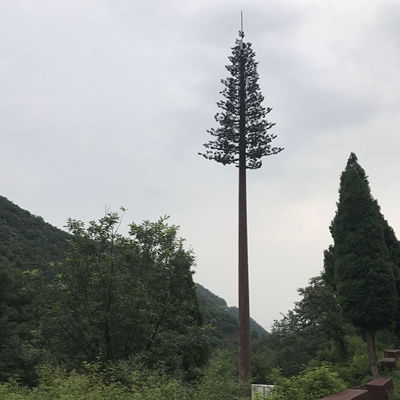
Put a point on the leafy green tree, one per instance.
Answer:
(363, 269)
(242, 139)
(319, 311)
(264, 357)
(118, 297)
(313, 326)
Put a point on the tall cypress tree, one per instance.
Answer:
(363, 270)
(242, 139)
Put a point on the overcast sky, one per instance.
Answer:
(108, 102)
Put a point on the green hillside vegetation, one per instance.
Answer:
(255, 327)
(222, 319)
(29, 243)
(26, 240)
(129, 382)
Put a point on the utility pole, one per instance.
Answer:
(243, 267)
(242, 139)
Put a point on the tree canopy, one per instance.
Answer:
(29, 243)
(364, 273)
(363, 270)
(116, 297)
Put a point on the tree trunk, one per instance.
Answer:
(372, 353)
(244, 307)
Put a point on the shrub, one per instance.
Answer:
(310, 384)
(130, 381)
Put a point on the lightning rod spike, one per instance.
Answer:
(241, 34)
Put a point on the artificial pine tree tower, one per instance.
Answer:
(363, 271)
(242, 139)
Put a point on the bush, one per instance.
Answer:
(395, 394)
(310, 384)
(395, 375)
(130, 381)
(356, 369)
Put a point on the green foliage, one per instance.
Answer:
(395, 393)
(328, 273)
(310, 384)
(217, 382)
(351, 371)
(263, 360)
(312, 334)
(314, 325)
(355, 369)
(363, 269)
(115, 297)
(393, 246)
(293, 346)
(255, 327)
(241, 109)
(26, 241)
(222, 319)
(17, 319)
(364, 273)
(319, 312)
(223, 332)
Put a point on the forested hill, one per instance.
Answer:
(216, 311)
(28, 242)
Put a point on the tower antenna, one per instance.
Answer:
(241, 31)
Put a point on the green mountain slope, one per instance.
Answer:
(27, 241)
(222, 318)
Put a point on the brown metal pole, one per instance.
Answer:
(244, 306)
